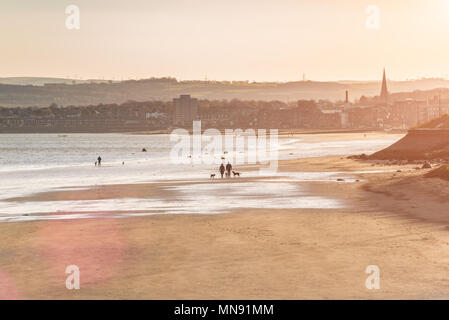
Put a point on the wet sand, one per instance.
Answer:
(395, 220)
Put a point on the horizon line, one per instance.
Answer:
(113, 79)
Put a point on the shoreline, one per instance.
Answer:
(294, 131)
(249, 253)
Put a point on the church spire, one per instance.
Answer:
(384, 90)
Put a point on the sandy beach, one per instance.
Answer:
(196, 151)
(395, 220)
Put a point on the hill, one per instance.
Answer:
(428, 141)
(39, 81)
(438, 123)
(46, 91)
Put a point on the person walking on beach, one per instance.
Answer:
(99, 161)
(228, 170)
(222, 170)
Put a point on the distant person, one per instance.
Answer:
(99, 161)
(222, 170)
(228, 170)
(96, 163)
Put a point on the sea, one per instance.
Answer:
(31, 164)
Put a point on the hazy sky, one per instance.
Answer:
(225, 40)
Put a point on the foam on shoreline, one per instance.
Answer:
(155, 167)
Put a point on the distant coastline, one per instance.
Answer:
(281, 132)
(68, 92)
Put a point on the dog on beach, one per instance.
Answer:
(212, 176)
(236, 174)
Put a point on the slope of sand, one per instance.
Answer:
(395, 220)
(418, 144)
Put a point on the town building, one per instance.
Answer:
(384, 91)
(185, 110)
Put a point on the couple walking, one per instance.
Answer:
(228, 170)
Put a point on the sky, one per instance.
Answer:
(255, 40)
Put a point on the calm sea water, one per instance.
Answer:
(34, 163)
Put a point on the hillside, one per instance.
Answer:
(37, 81)
(438, 123)
(428, 141)
(46, 91)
